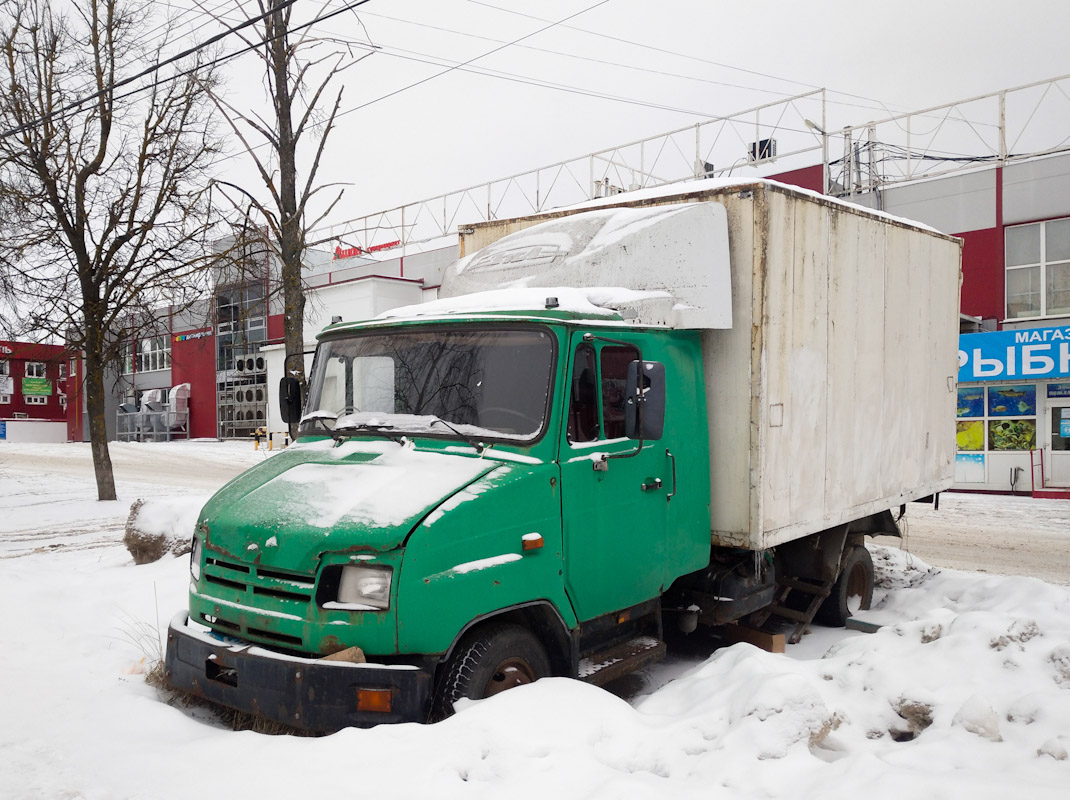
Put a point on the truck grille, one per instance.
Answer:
(267, 592)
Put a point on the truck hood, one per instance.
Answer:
(319, 497)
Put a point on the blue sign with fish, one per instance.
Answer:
(1031, 354)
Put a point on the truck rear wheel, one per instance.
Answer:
(487, 661)
(852, 592)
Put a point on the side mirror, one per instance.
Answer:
(644, 404)
(290, 400)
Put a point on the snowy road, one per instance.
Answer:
(1001, 535)
(44, 487)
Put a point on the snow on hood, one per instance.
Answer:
(362, 494)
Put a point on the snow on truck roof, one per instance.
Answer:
(662, 265)
(665, 265)
(692, 188)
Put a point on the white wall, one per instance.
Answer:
(35, 430)
(953, 203)
(357, 300)
(1035, 190)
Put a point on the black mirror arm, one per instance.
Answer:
(602, 465)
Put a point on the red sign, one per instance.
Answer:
(350, 252)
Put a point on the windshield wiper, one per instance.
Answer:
(479, 446)
(366, 427)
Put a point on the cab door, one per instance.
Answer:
(614, 500)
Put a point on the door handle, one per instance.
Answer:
(672, 460)
(651, 484)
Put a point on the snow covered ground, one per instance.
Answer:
(964, 693)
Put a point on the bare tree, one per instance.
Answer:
(102, 180)
(299, 71)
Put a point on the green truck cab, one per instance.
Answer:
(502, 486)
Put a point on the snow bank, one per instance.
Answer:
(159, 525)
(963, 694)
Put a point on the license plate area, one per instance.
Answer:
(220, 673)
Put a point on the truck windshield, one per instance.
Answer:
(472, 383)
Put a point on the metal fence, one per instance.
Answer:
(997, 128)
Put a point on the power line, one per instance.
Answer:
(474, 59)
(150, 70)
(684, 55)
(77, 104)
(575, 56)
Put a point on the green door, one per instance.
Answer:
(615, 511)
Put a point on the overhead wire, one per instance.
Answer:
(474, 58)
(878, 104)
(75, 105)
(155, 68)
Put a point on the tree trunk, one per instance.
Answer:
(95, 410)
(291, 234)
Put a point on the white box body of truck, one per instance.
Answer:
(832, 395)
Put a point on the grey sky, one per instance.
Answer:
(669, 64)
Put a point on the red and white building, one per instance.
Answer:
(33, 392)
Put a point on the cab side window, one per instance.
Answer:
(614, 362)
(596, 407)
(583, 406)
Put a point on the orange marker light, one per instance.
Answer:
(374, 700)
(532, 541)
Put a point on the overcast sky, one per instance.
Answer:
(627, 69)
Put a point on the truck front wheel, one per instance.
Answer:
(852, 592)
(489, 660)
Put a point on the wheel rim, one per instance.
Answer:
(508, 674)
(857, 584)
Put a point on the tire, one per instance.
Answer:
(488, 660)
(852, 592)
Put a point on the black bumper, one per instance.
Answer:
(306, 693)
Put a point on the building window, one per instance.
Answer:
(63, 370)
(154, 354)
(35, 369)
(1038, 269)
(35, 400)
(5, 399)
(997, 418)
(5, 367)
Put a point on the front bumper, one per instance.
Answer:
(306, 693)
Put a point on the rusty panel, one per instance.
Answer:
(727, 357)
(796, 363)
(852, 472)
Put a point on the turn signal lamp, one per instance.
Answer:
(378, 700)
(532, 541)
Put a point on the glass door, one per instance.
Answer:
(1059, 426)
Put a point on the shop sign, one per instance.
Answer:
(1064, 423)
(1037, 353)
(185, 337)
(36, 387)
(1056, 390)
(3, 430)
(349, 252)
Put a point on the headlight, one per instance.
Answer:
(195, 559)
(363, 588)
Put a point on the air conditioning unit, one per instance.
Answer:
(762, 150)
(250, 365)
